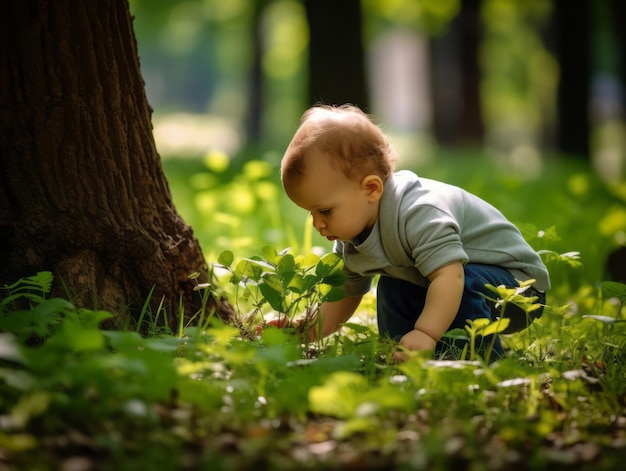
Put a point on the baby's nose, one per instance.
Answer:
(318, 223)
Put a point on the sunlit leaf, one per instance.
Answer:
(502, 291)
(275, 336)
(603, 319)
(226, 258)
(224, 334)
(297, 284)
(496, 327)
(571, 259)
(309, 261)
(286, 269)
(329, 264)
(330, 293)
(247, 268)
(257, 261)
(269, 254)
(460, 334)
(479, 323)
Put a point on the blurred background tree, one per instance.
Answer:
(522, 82)
(519, 78)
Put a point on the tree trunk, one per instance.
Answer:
(456, 79)
(336, 57)
(572, 24)
(83, 192)
(616, 262)
(618, 15)
(253, 121)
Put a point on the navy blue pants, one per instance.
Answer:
(400, 302)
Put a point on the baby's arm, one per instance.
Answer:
(442, 304)
(335, 313)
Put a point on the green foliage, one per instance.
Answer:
(61, 375)
(215, 396)
(284, 284)
(565, 210)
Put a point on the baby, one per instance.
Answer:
(434, 245)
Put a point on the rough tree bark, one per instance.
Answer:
(83, 193)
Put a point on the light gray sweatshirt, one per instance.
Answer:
(423, 225)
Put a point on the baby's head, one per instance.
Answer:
(346, 135)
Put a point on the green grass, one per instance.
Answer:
(242, 206)
(209, 397)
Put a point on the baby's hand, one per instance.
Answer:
(281, 322)
(414, 340)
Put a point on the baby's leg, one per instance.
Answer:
(474, 305)
(398, 305)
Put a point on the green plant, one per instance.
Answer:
(283, 283)
(209, 398)
(483, 327)
(32, 288)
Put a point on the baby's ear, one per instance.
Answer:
(374, 186)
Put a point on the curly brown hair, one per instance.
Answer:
(356, 145)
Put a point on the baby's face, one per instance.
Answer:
(340, 207)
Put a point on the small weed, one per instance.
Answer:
(283, 285)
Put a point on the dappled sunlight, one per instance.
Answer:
(613, 224)
(415, 150)
(217, 161)
(187, 134)
(526, 162)
(243, 201)
(609, 156)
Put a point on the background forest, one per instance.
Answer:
(450, 81)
